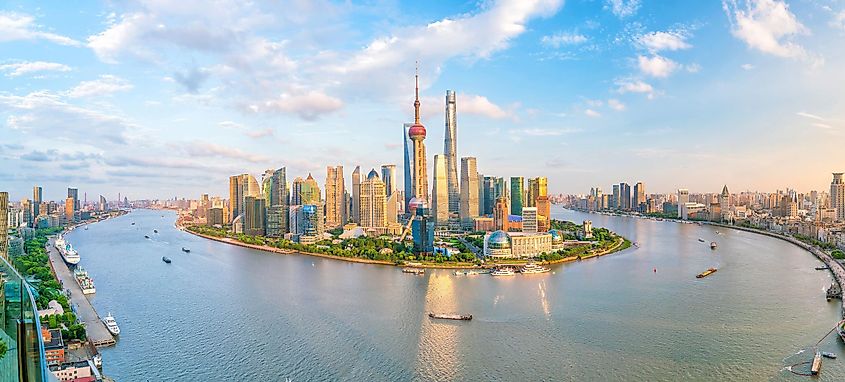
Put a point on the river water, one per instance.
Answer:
(223, 312)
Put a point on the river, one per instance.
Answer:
(223, 312)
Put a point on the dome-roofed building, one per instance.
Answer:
(498, 245)
(507, 245)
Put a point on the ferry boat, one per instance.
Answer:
(85, 282)
(706, 273)
(531, 268)
(416, 271)
(111, 325)
(444, 316)
(504, 271)
(165, 259)
(69, 255)
(712, 245)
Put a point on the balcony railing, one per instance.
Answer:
(20, 330)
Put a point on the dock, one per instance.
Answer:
(94, 327)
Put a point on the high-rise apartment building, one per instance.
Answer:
(276, 199)
(517, 194)
(335, 197)
(69, 203)
(4, 225)
(837, 196)
(388, 176)
(469, 191)
(373, 203)
(254, 216)
(356, 195)
(440, 193)
(450, 151)
(417, 134)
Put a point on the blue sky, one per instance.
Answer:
(160, 98)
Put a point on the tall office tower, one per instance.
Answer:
(639, 196)
(388, 176)
(501, 213)
(4, 224)
(489, 195)
(529, 219)
(501, 188)
(450, 151)
(26, 210)
(104, 205)
(296, 192)
(544, 213)
(254, 215)
(69, 203)
(74, 193)
(373, 203)
(394, 205)
(417, 134)
(536, 187)
(614, 201)
(440, 193)
(725, 198)
(335, 197)
(356, 195)
(408, 163)
(36, 201)
(624, 196)
(683, 198)
(837, 196)
(234, 197)
(310, 192)
(480, 183)
(277, 203)
(469, 191)
(422, 229)
(517, 194)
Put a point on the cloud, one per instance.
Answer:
(17, 26)
(105, 85)
(767, 26)
(635, 86)
(563, 38)
(747, 66)
(249, 132)
(592, 113)
(192, 78)
(657, 66)
(615, 104)
(622, 8)
(811, 116)
(659, 41)
(206, 149)
(53, 155)
(822, 125)
(21, 68)
(838, 21)
(480, 105)
(268, 132)
(309, 105)
(538, 132)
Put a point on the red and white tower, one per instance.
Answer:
(417, 134)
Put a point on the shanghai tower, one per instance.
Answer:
(450, 152)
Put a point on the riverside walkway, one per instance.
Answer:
(94, 327)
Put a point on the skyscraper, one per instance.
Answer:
(450, 151)
(277, 203)
(614, 201)
(373, 203)
(103, 204)
(624, 196)
(529, 219)
(296, 192)
(234, 196)
(544, 213)
(335, 197)
(408, 165)
(489, 195)
(310, 192)
(469, 191)
(683, 198)
(501, 213)
(254, 215)
(356, 195)
(440, 193)
(536, 187)
(4, 225)
(417, 134)
(639, 196)
(69, 203)
(388, 176)
(517, 194)
(36, 201)
(74, 193)
(837, 196)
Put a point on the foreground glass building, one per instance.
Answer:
(20, 332)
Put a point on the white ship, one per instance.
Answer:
(85, 282)
(533, 268)
(66, 250)
(505, 271)
(111, 325)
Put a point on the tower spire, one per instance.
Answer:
(417, 94)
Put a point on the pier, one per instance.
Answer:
(94, 327)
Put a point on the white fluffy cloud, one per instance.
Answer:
(622, 8)
(657, 66)
(17, 26)
(615, 104)
(480, 105)
(767, 26)
(22, 68)
(592, 113)
(660, 40)
(563, 38)
(635, 86)
(105, 85)
(308, 105)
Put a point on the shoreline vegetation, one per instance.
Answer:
(384, 251)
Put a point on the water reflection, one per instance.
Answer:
(438, 356)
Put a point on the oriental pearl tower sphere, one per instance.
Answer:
(417, 134)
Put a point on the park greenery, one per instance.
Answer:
(3, 348)
(837, 254)
(34, 265)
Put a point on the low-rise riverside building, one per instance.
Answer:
(517, 245)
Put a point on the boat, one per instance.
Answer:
(706, 273)
(700, 239)
(98, 361)
(85, 282)
(532, 268)
(817, 364)
(445, 316)
(133, 223)
(186, 250)
(146, 236)
(504, 271)
(69, 255)
(828, 354)
(111, 325)
(155, 231)
(840, 329)
(712, 245)
(165, 259)
(822, 268)
(86, 227)
(416, 271)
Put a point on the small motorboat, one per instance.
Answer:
(111, 325)
(146, 236)
(86, 227)
(700, 239)
(828, 354)
(155, 231)
(186, 250)
(444, 316)
(165, 259)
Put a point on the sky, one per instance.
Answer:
(162, 99)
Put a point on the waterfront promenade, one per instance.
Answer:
(94, 327)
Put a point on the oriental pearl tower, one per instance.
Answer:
(417, 134)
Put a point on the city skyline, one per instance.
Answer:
(609, 90)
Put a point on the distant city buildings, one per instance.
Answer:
(335, 197)
(469, 192)
(373, 204)
(837, 196)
